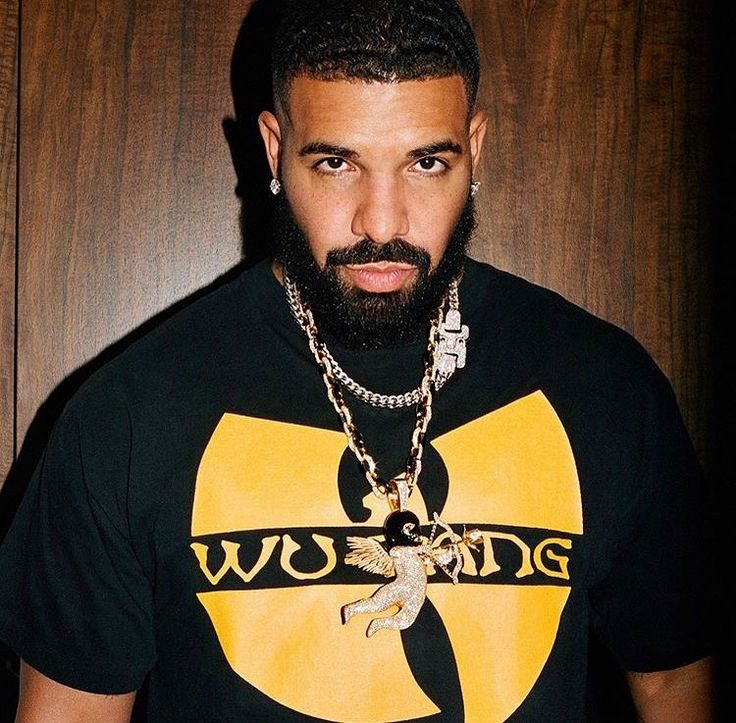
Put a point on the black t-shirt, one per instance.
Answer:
(188, 520)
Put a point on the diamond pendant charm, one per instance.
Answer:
(451, 337)
(407, 592)
(410, 556)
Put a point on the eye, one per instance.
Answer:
(431, 166)
(331, 165)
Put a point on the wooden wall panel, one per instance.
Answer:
(593, 173)
(8, 150)
(592, 176)
(126, 183)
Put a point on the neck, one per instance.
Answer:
(277, 268)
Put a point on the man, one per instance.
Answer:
(372, 480)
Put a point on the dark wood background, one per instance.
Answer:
(8, 159)
(601, 178)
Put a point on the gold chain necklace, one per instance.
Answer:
(449, 353)
(406, 481)
(407, 555)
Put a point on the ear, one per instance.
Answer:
(270, 130)
(478, 127)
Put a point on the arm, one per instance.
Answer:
(43, 700)
(682, 694)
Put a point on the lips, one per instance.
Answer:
(381, 276)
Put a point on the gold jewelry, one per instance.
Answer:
(449, 355)
(380, 487)
(410, 557)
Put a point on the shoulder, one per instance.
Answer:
(549, 332)
(171, 352)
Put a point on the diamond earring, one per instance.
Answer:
(275, 186)
(474, 186)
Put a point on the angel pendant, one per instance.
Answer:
(410, 557)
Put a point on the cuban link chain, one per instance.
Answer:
(408, 556)
(452, 335)
(396, 493)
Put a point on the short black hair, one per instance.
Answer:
(373, 40)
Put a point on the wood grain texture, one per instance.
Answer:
(594, 168)
(8, 157)
(592, 173)
(126, 185)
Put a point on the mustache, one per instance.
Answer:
(367, 251)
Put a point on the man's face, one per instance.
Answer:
(376, 176)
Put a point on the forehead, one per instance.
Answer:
(357, 113)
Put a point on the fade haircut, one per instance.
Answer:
(384, 41)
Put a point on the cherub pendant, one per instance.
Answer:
(410, 557)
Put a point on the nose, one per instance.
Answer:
(381, 214)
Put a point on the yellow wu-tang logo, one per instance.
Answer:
(511, 467)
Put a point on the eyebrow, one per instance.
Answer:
(446, 146)
(327, 149)
(330, 149)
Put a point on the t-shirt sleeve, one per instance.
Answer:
(655, 607)
(75, 602)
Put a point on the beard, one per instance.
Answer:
(359, 319)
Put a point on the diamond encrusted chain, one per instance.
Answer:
(399, 488)
(405, 553)
(452, 337)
